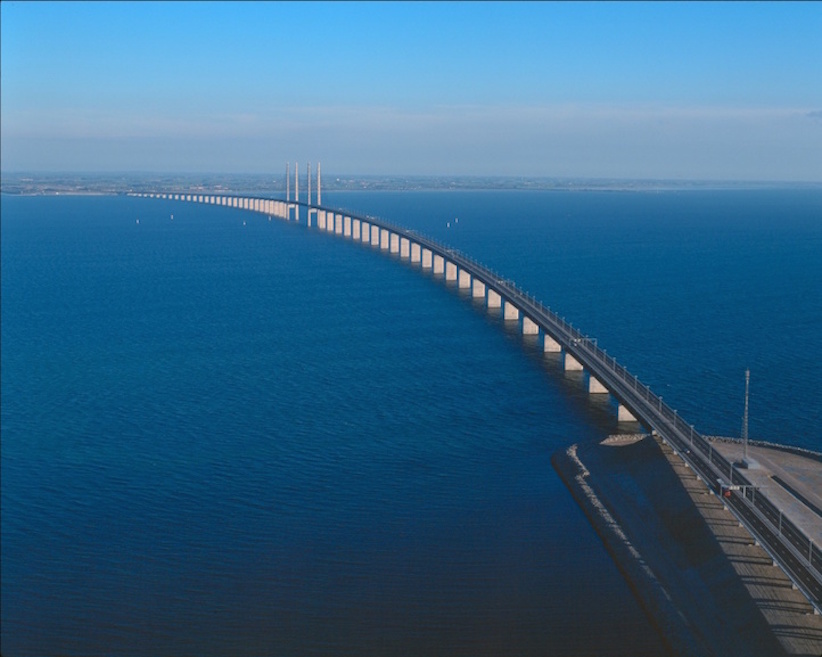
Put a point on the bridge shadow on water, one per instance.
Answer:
(727, 598)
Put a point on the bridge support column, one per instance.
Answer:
(416, 253)
(347, 226)
(366, 232)
(510, 311)
(464, 280)
(427, 258)
(529, 326)
(595, 386)
(450, 271)
(338, 224)
(321, 219)
(549, 345)
(375, 235)
(494, 299)
(439, 264)
(395, 243)
(356, 230)
(624, 415)
(405, 247)
(385, 238)
(572, 364)
(477, 289)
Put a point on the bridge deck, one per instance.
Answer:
(792, 482)
(796, 551)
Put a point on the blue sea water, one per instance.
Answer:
(223, 435)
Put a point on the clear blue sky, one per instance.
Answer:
(620, 90)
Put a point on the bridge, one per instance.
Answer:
(791, 548)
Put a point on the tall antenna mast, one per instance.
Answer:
(745, 416)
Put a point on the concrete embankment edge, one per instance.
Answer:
(653, 597)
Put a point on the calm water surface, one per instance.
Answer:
(228, 436)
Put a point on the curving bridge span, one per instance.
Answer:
(788, 545)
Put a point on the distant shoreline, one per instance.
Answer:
(99, 184)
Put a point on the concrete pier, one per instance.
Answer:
(356, 230)
(494, 299)
(572, 364)
(395, 243)
(427, 259)
(416, 253)
(464, 281)
(375, 235)
(347, 226)
(439, 264)
(624, 415)
(549, 345)
(477, 289)
(405, 248)
(450, 271)
(510, 311)
(385, 238)
(529, 326)
(595, 386)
